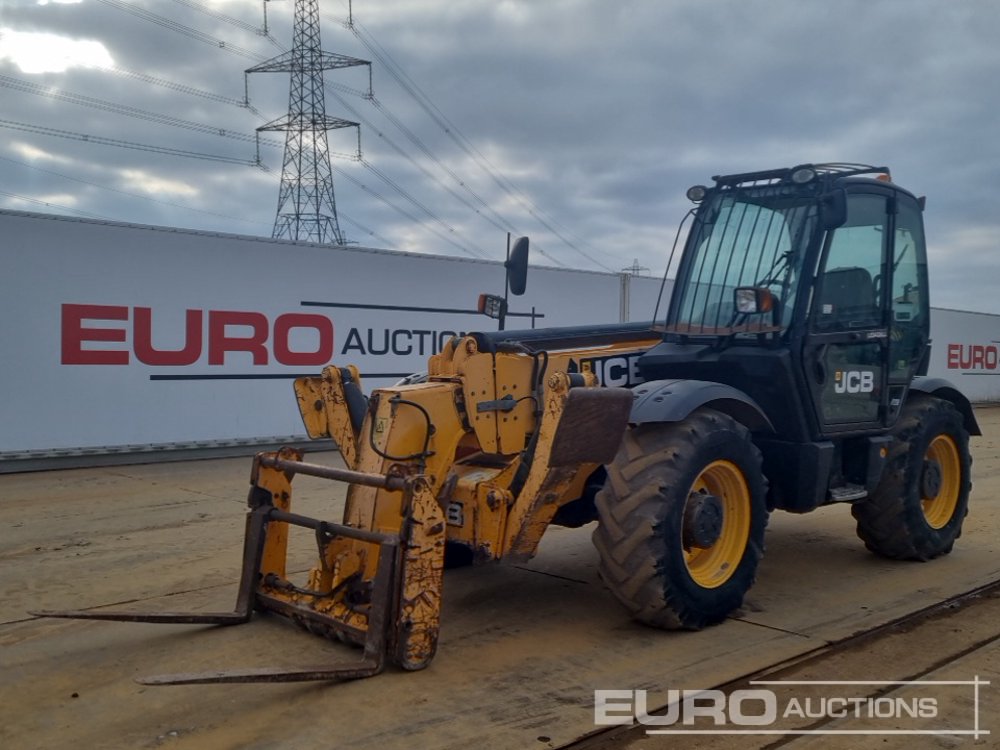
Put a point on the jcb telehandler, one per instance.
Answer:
(789, 372)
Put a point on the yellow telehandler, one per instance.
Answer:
(788, 373)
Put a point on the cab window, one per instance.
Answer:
(849, 286)
(909, 304)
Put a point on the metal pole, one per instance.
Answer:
(506, 285)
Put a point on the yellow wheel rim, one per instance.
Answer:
(712, 566)
(939, 507)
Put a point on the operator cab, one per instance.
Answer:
(807, 289)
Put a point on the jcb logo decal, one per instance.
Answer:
(854, 381)
(621, 370)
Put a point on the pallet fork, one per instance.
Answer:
(381, 591)
(378, 579)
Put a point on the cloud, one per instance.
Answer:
(144, 182)
(34, 153)
(40, 52)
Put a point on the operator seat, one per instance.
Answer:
(847, 299)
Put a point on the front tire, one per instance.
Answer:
(917, 510)
(682, 518)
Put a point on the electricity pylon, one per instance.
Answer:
(307, 209)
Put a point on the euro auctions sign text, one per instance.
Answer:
(123, 335)
(914, 707)
(973, 357)
(212, 332)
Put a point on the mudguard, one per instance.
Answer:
(941, 388)
(674, 400)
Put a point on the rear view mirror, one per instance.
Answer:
(517, 267)
(833, 209)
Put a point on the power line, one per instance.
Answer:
(635, 269)
(395, 186)
(180, 28)
(409, 157)
(48, 204)
(364, 228)
(122, 109)
(130, 194)
(239, 23)
(307, 208)
(130, 111)
(306, 109)
(496, 220)
(199, 127)
(71, 97)
(415, 219)
(146, 78)
(450, 129)
(397, 74)
(126, 144)
(499, 222)
(282, 63)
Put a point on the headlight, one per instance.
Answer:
(749, 300)
(491, 305)
(746, 300)
(803, 175)
(697, 193)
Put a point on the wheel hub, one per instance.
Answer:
(702, 520)
(931, 479)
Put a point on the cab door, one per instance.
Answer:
(846, 345)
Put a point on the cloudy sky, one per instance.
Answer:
(578, 122)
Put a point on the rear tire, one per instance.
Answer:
(917, 510)
(672, 565)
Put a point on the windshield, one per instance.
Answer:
(752, 237)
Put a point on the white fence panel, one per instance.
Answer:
(127, 335)
(966, 351)
(122, 335)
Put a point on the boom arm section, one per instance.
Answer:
(333, 406)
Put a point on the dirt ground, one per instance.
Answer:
(523, 648)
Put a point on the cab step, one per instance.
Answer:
(847, 493)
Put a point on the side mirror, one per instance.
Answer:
(833, 209)
(517, 267)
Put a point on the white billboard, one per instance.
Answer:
(966, 351)
(124, 335)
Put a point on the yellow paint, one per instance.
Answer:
(939, 509)
(323, 406)
(712, 566)
(460, 438)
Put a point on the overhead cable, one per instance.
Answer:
(453, 132)
(131, 194)
(167, 23)
(126, 144)
(49, 204)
